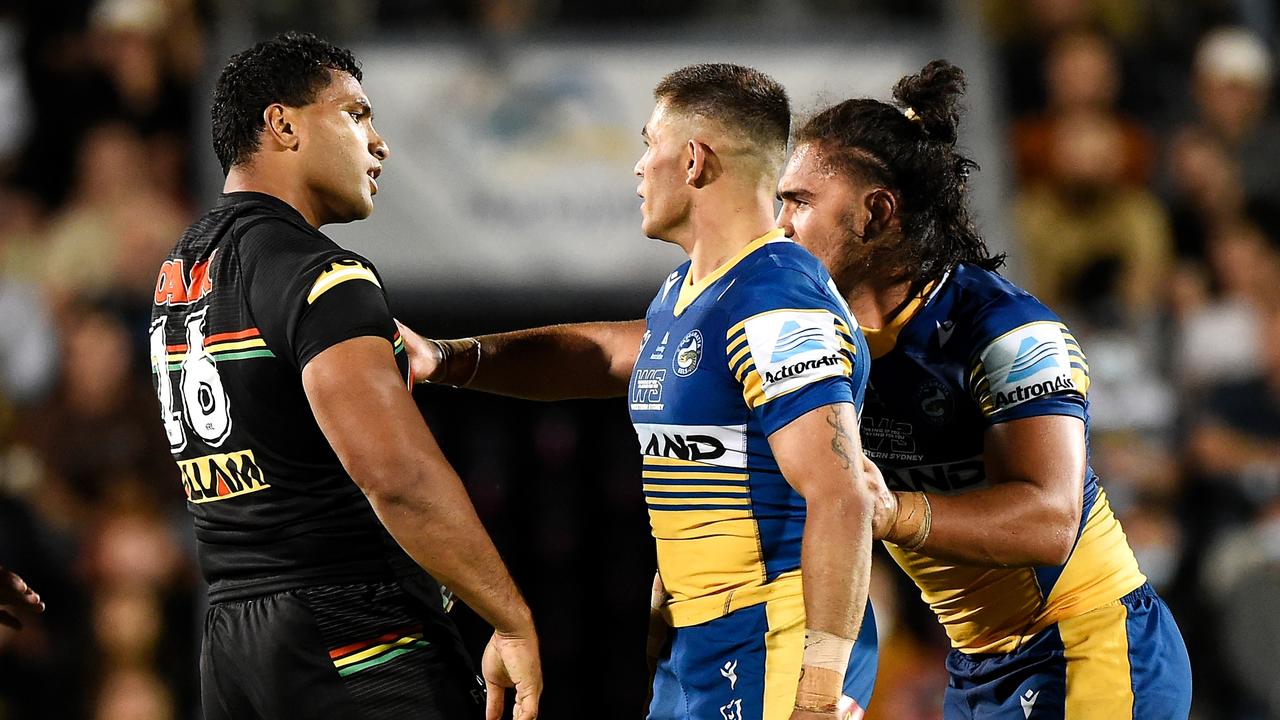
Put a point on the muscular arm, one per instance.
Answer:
(358, 397)
(557, 362)
(1031, 513)
(820, 456)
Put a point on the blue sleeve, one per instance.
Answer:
(1024, 362)
(789, 344)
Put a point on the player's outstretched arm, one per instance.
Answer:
(1029, 516)
(557, 362)
(820, 455)
(357, 395)
(16, 594)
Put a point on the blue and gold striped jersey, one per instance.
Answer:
(725, 362)
(976, 351)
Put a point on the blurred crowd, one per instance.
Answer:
(1144, 141)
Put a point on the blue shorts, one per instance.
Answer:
(745, 665)
(1123, 661)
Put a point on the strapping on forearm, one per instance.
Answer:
(826, 657)
(913, 522)
(459, 360)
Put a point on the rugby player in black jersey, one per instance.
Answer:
(318, 492)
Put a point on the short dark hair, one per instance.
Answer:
(290, 69)
(742, 98)
(911, 149)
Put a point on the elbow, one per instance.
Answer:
(1058, 532)
(380, 482)
(851, 500)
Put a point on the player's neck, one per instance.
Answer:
(720, 227)
(246, 178)
(876, 302)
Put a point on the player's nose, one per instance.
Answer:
(784, 222)
(378, 147)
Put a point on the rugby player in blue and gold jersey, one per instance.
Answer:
(744, 383)
(977, 413)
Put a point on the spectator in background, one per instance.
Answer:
(1227, 298)
(1236, 447)
(1205, 191)
(97, 432)
(111, 235)
(1231, 86)
(1026, 31)
(1236, 442)
(1083, 223)
(1082, 74)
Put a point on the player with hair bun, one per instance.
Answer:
(977, 414)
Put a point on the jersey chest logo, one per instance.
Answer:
(688, 354)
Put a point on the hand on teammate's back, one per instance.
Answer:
(511, 661)
(14, 592)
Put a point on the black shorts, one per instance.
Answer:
(366, 651)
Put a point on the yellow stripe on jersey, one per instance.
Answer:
(725, 490)
(784, 653)
(881, 340)
(736, 345)
(753, 389)
(681, 475)
(745, 502)
(239, 345)
(1099, 674)
(675, 462)
(337, 274)
(737, 357)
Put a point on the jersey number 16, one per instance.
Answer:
(204, 401)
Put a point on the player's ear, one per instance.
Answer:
(882, 212)
(703, 164)
(280, 126)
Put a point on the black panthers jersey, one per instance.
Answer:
(248, 296)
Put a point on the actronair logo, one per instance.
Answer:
(800, 368)
(1022, 393)
(1026, 363)
(795, 339)
(1034, 355)
(793, 348)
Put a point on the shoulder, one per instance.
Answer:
(780, 273)
(279, 246)
(1017, 349)
(986, 307)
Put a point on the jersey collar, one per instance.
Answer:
(689, 290)
(881, 340)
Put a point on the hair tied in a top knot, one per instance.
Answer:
(913, 116)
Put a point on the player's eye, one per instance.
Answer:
(356, 115)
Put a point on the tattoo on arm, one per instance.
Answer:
(840, 442)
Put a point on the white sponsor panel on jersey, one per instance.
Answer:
(1027, 363)
(793, 348)
(720, 445)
